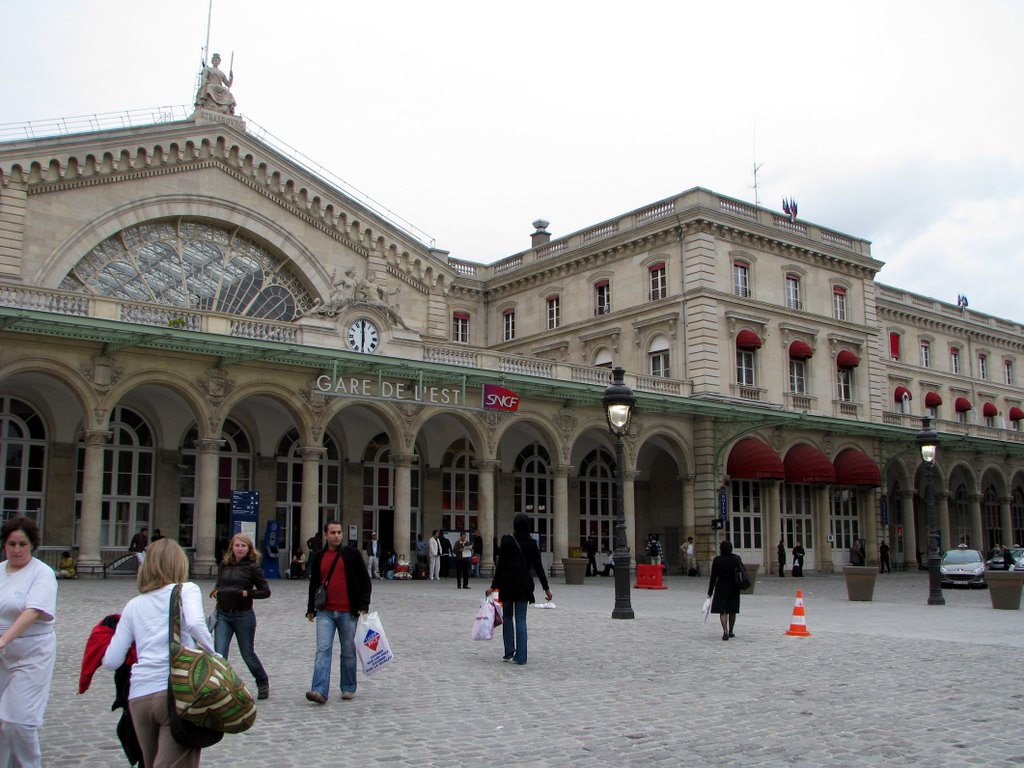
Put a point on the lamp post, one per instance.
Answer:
(928, 442)
(618, 402)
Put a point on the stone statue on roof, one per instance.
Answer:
(214, 91)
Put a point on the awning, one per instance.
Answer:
(932, 400)
(747, 340)
(846, 359)
(806, 464)
(989, 409)
(962, 405)
(800, 350)
(1016, 414)
(902, 392)
(751, 459)
(855, 467)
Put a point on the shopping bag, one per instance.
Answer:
(372, 646)
(706, 609)
(483, 624)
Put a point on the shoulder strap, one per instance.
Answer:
(330, 571)
(174, 623)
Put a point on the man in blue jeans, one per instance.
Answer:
(342, 572)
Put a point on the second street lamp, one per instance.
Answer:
(928, 442)
(618, 402)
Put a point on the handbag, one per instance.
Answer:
(205, 696)
(320, 596)
(372, 646)
(742, 578)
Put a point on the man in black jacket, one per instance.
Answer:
(346, 595)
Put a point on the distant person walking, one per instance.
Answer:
(798, 559)
(781, 550)
(883, 558)
(517, 554)
(435, 555)
(723, 590)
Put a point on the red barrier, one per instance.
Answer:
(649, 577)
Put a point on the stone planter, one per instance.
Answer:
(860, 582)
(575, 569)
(752, 573)
(1004, 589)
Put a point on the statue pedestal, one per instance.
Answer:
(203, 115)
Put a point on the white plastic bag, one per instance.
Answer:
(706, 609)
(483, 624)
(372, 646)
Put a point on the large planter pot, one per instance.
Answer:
(860, 582)
(575, 569)
(752, 573)
(1004, 589)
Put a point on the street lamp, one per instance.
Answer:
(928, 442)
(618, 402)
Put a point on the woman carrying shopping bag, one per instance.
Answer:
(517, 554)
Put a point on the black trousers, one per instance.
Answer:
(462, 572)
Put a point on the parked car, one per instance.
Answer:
(963, 567)
(995, 563)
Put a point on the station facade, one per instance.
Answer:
(188, 311)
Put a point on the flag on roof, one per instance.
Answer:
(961, 301)
(789, 206)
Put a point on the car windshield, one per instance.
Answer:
(961, 557)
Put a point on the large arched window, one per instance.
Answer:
(1017, 516)
(459, 488)
(289, 487)
(532, 491)
(960, 519)
(991, 529)
(193, 265)
(127, 492)
(23, 458)
(379, 493)
(597, 499)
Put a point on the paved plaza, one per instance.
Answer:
(890, 682)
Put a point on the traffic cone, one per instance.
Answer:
(798, 626)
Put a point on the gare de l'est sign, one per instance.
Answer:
(492, 396)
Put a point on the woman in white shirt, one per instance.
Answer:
(144, 622)
(28, 645)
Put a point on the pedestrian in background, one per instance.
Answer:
(28, 644)
(798, 559)
(883, 558)
(591, 549)
(144, 622)
(446, 556)
(723, 590)
(435, 555)
(240, 580)
(373, 559)
(463, 553)
(781, 550)
(478, 551)
(857, 553)
(517, 554)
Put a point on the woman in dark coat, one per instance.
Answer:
(517, 554)
(722, 588)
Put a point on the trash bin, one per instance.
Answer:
(1004, 589)
(860, 582)
(575, 569)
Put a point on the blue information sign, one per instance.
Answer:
(723, 507)
(883, 508)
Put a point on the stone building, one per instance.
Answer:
(187, 310)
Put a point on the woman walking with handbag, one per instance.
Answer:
(239, 582)
(723, 588)
(517, 554)
(144, 623)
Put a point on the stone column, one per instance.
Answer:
(560, 479)
(773, 529)
(309, 514)
(867, 501)
(629, 510)
(486, 469)
(909, 531)
(977, 542)
(822, 523)
(92, 501)
(403, 503)
(1005, 523)
(942, 503)
(689, 509)
(207, 478)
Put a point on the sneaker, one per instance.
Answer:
(348, 696)
(507, 657)
(316, 696)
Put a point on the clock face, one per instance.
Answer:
(363, 336)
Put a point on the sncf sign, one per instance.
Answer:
(500, 399)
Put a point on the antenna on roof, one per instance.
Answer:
(209, 17)
(757, 199)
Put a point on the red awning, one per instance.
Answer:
(1016, 414)
(800, 350)
(963, 404)
(855, 467)
(806, 464)
(902, 392)
(846, 359)
(747, 340)
(932, 400)
(751, 459)
(989, 409)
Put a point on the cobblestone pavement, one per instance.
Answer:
(890, 682)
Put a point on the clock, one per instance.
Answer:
(363, 336)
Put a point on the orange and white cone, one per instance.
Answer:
(798, 626)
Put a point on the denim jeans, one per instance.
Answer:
(513, 630)
(327, 624)
(243, 626)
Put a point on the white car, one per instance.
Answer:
(963, 567)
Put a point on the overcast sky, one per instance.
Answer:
(897, 122)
